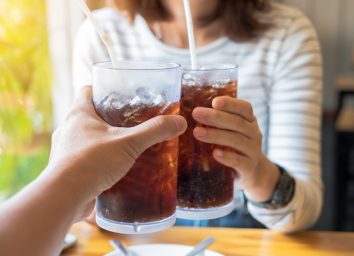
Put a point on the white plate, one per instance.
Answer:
(162, 250)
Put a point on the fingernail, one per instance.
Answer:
(218, 153)
(199, 113)
(179, 124)
(218, 103)
(200, 132)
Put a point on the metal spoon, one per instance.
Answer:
(118, 245)
(201, 246)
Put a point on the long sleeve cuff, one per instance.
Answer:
(301, 212)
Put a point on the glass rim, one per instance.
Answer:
(212, 67)
(164, 65)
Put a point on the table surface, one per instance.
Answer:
(229, 241)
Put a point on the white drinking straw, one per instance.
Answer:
(191, 40)
(104, 37)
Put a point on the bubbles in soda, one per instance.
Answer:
(148, 191)
(202, 181)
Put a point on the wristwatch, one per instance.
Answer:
(283, 192)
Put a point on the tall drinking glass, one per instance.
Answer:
(205, 187)
(144, 201)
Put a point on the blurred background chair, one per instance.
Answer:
(345, 152)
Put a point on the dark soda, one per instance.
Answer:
(202, 181)
(148, 192)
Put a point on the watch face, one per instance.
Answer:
(285, 190)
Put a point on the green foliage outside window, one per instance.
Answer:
(25, 102)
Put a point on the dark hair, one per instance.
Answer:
(238, 16)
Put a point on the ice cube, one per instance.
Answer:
(192, 79)
(159, 101)
(135, 101)
(146, 95)
(130, 113)
(221, 83)
(119, 104)
(164, 107)
(115, 100)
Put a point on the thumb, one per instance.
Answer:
(84, 98)
(158, 129)
(82, 103)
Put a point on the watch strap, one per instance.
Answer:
(283, 192)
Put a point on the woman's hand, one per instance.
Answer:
(94, 155)
(235, 126)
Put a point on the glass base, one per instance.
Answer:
(137, 227)
(204, 214)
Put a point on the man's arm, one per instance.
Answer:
(36, 220)
(88, 156)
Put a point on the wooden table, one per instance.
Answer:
(229, 241)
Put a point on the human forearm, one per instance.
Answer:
(38, 217)
(88, 156)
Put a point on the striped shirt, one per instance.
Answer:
(280, 74)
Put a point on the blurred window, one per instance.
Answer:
(25, 93)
